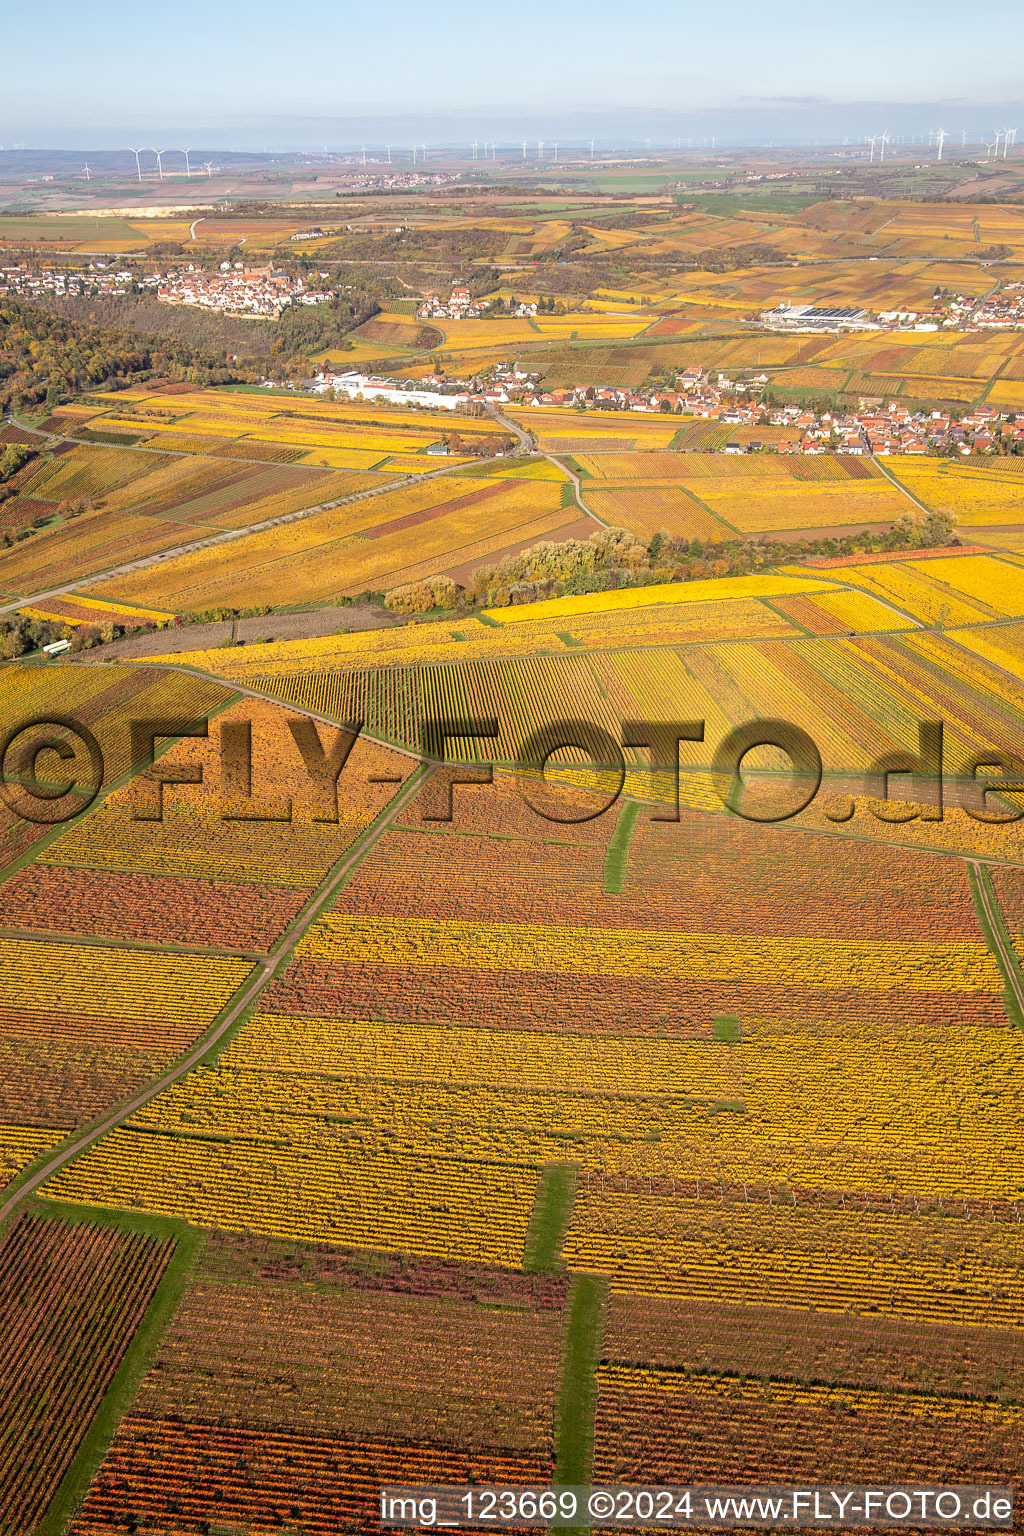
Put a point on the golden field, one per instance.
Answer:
(371, 544)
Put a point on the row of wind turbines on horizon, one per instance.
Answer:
(480, 149)
(1007, 137)
(204, 169)
(487, 149)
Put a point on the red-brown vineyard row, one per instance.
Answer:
(163, 1476)
(71, 1298)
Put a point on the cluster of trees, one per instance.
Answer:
(19, 636)
(178, 330)
(580, 278)
(219, 615)
(727, 259)
(635, 219)
(48, 358)
(304, 329)
(613, 558)
(422, 596)
(13, 458)
(484, 447)
(446, 247)
(932, 531)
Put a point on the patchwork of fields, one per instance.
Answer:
(601, 1117)
(747, 1116)
(698, 1064)
(712, 497)
(193, 467)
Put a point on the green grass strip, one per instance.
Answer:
(549, 1218)
(137, 1360)
(998, 938)
(577, 1404)
(616, 860)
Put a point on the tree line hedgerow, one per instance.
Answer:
(45, 358)
(613, 558)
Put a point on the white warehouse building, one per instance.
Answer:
(353, 384)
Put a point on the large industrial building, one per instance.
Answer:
(811, 317)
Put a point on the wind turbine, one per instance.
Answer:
(159, 161)
(873, 141)
(963, 138)
(1009, 136)
(414, 154)
(188, 168)
(591, 149)
(556, 149)
(474, 147)
(86, 172)
(137, 153)
(364, 154)
(540, 149)
(884, 142)
(389, 154)
(999, 134)
(940, 139)
(990, 145)
(423, 149)
(209, 169)
(524, 149)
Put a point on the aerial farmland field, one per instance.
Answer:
(511, 772)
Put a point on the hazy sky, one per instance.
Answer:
(257, 72)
